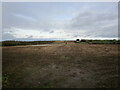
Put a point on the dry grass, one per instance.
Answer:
(66, 65)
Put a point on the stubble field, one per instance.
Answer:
(60, 66)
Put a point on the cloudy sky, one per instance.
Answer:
(59, 21)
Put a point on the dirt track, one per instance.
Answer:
(67, 65)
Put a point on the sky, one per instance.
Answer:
(59, 20)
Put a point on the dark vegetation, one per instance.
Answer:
(15, 43)
(100, 41)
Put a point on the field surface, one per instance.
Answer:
(60, 66)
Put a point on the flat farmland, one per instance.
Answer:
(68, 65)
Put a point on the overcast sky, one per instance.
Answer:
(62, 21)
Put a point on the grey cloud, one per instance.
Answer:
(94, 21)
(7, 36)
(104, 23)
(22, 15)
(29, 36)
(51, 32)
(25, 17)
(75, 36)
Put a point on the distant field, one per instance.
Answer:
(62, 65)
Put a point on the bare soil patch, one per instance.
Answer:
(61, 66)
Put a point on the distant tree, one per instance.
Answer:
(83, 40)
(77, 40)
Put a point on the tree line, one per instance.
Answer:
(15, 43)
